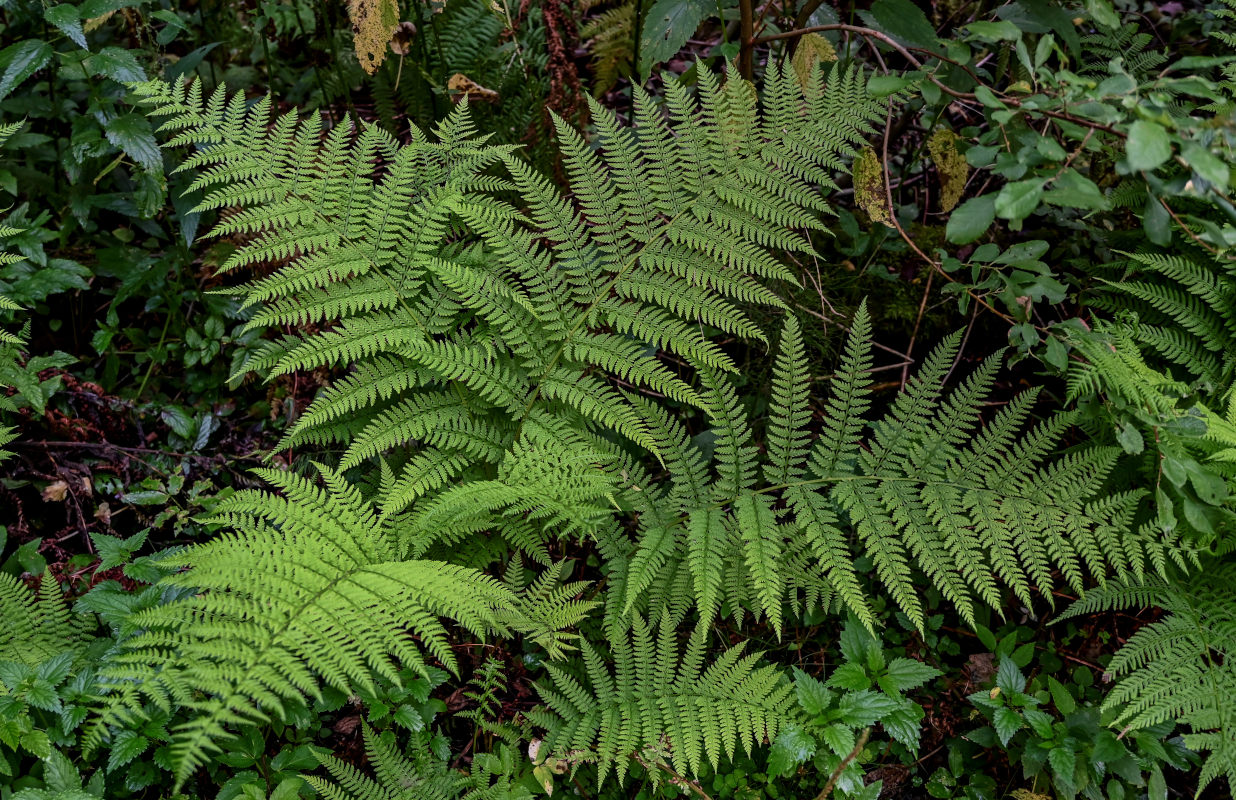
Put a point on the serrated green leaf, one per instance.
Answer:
(21, 60)
(133, 134)
(1007, 722)
(905, 21)
(793, 746)
(65, 17)
(667, 26)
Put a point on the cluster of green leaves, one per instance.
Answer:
(517, 371)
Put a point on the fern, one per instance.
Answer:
(658, 697)
(1126, 43)
(519, 315)
(611, 37)
(9, 342)
(39, 626)
(1186, 308)
(418, 777)
(1181, 668)
(310, 589)
(972, 510)
(509, 367)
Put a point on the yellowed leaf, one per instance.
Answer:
(56, 491)
(811, 50)
(401, 40)
(1026, 794)
(103, 513)
(94, 22)
(373, 24)
(461, 86)
(869, 190)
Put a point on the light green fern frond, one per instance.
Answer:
(36, 627)
(660, 696)
(974, 509)
(568, 291)
(308, 590)
(417, 776)
(611, 44)
(549, 607)
(1187, 311)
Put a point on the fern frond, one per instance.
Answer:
(308, 590)
(658, 695)
(39, 626)
(1181, 668)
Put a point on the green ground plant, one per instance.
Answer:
(478, 400)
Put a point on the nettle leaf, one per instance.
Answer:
(65, 17)
(667, 27)
(133, 134)
(116, 63)
(813, 696)
(860, 709)
(905, 674)
(20, 61)
(793, 746)
(850, 676)
(1007, 722)
(839, 739)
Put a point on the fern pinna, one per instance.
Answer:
(308, 590)
(417, 775)
(1186, 311)
(657, 698)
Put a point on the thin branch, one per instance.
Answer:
(845, 762)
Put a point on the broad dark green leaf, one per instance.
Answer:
(1006, 722)
(905, 21)
(667, 27)
(971, 219)
(132, 133)
(20, 61)
(117, 64)
(65, 17)
(1148, 145)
